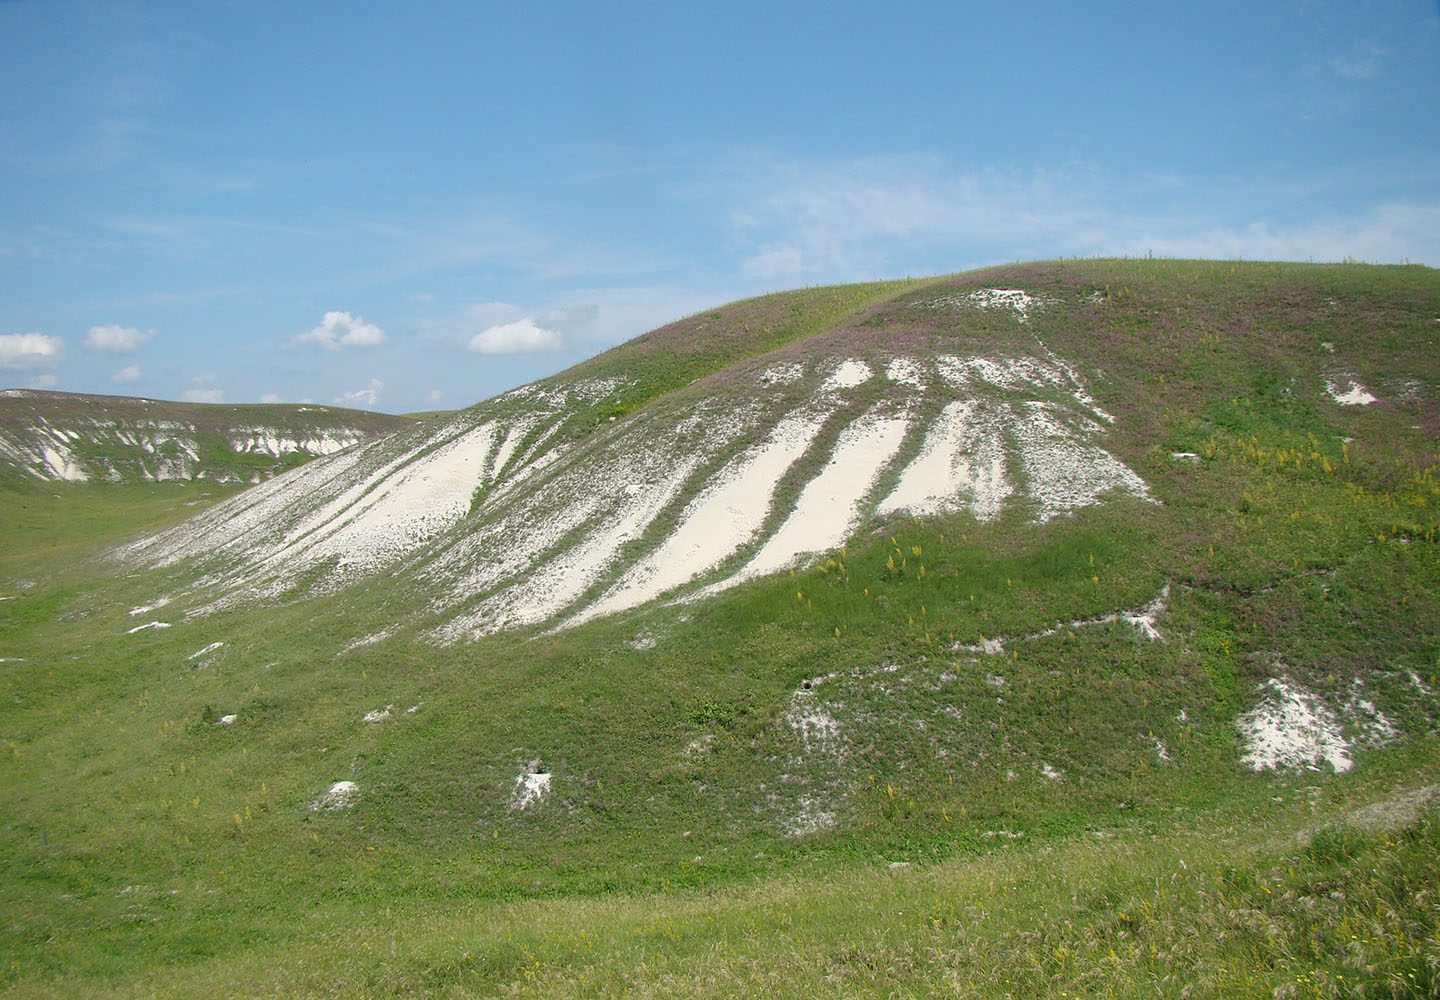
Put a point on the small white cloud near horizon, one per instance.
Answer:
(338, 329)
(29, 350)
(117, 338)
(42, 382)
(520, 337)
(434, 395)
(271, 397)
(130, 373)
(205, 390)
(365, 398)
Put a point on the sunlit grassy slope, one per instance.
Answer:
(808, 785)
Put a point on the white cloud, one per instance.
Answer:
(366, 397)
(434, 395)
(29, 350)
(1379, 234)
(612, 315)
(43, 382)
(895, 215)
(130, 373)
(113, 337)
(271, 397)
(519, 337)
(339, 329)
(204, 390)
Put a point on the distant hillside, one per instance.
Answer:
(69, 436)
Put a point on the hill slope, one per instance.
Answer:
(51, 436)
(670, 658)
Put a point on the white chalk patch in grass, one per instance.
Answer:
(990, 647)
(1184, 456)
(340, 795)
(530, 788)
(201, 652)
(811, 818)
(828, 508)
(147, 608)
(1062, 471)
(377, 714)
(961, 465)
(1004, 298)
(368, 640)
(815, 726)
(726, 515)
(848, 374)
(1327, 347)
(1354, 394)
(1292, 728)
(1161, 751)
(783, 374)
(1144, 618)
(1050, 773)
(904, 371)
(414, 708)
(550, 589)
(142, 628)
(226, 720)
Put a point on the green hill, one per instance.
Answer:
(1060, 629)
(48, 436)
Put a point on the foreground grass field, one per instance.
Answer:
(822, 783)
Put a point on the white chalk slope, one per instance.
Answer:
(76, 438)
(527, 511)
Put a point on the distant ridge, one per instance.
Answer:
(47, 435)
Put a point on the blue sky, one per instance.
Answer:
(418, 206)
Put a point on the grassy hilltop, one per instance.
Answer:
(993, 754)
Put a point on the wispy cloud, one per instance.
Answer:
(891, 215)
(204, 389)
(1366, 62)
(113, 337)
(520, 337)
(130, 373)
(29, 350)
(339, 330)
(366, 397)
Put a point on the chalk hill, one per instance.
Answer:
(47, 435)
(539, 507)
(1044, 603)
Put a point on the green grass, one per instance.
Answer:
(147, 851)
